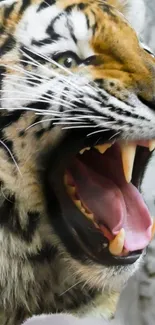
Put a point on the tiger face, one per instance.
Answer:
(77, 129)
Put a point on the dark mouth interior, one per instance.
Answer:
(96, 183)
(90, 201)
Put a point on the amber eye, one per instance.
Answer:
(67, 59)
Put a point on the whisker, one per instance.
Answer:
(66, 123)
(77, 127)
(75, 284)
(38, 122)
(20, 69)
(115, 135)
(98, 131)
(50, 61)
(42, 98)
(57, 64)
(34, 100)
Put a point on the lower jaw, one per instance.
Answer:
(78, 234)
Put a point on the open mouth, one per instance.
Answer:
(100, 201)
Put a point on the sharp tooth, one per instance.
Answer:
(90, 216)
(78, 203)
(128, 155)
(116, 245)
(153, 230)
(71, 189)
(83, 150)
(103, 147)
(152, 145)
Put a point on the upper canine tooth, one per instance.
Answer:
(128, 152)
(116, 245)
(152, 145)
(103, 147)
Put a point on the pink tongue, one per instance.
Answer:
(116, 207)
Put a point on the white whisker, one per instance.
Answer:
(57, 64)
(78, 127)
(114, 135)
(98, 131)
(74, 285)
(53, 62)
(38, 122)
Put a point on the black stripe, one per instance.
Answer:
(70, 27)
(32, 55)
(40, 106)
(69, 8)
(44, 5)
(11, 117)
(42, 42)
(25, 4)
(8, 10)
(50, 29)
(10, 219)
(47, 253)
(2, 72)
(87, 20)
(8, 45)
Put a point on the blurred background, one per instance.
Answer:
(137, 303)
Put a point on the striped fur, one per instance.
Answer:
(40, 101)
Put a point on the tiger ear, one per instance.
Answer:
(133, 10)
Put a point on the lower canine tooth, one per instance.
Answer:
(128, 152)
(116, 245)
(152, 145)
(103, 147)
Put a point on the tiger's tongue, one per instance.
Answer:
(116, 206)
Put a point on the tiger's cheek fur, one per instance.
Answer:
(37, 273)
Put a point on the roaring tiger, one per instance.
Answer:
(77, 128)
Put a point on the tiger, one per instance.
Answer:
(77, 124)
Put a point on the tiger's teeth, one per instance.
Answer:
(89, 216)
(103, 147)
(78, 204)
(116, 245)
(71, 189)
(153, 230)
(83, 150)
(152, 145)
(128, 152)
